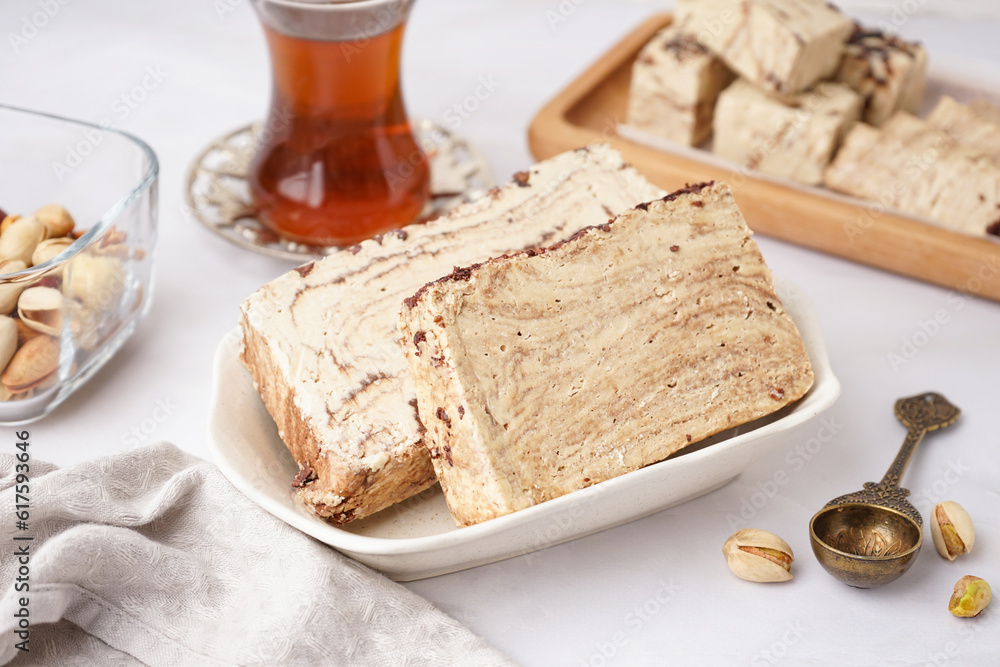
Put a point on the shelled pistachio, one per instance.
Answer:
(970, 597)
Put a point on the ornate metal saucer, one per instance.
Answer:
(218, 196)
(871, 537)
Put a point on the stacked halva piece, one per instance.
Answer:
(803, 73)
(796, 90)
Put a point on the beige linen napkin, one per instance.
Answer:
(153, 557)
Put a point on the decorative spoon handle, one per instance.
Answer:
(893, 476)
(919, 414)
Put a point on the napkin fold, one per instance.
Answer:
(152, 557)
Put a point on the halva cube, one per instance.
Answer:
(794, 137)
(781, 45)
(675, 84)
(889, 73)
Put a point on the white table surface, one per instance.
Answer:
(656, 591)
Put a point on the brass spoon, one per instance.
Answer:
(870, 537)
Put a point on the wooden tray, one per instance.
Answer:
(591, 108)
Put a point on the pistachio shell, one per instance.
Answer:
(952, 530)
(41, 308)
(20, 239)
(8, 340)
(11, 266)
(118, 250)
(8, 221)
(24, 332)
(970, 597)
(56, 219)
(114, 236)
(50, 248)
(97, 282)
(31, 365)
(10, 291)
(758, 555)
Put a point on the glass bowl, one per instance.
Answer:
(65, 312)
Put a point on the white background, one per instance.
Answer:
(653, 592)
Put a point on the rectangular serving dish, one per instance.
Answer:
(592, 108)
(417, 538)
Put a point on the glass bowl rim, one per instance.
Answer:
(109, 216)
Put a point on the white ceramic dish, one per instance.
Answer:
(417, 538)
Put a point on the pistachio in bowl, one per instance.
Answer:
(73, 285)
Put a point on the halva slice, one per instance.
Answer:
(548, 371)
(675, 83)
(321, 340)
(783, 46)
(792, 137)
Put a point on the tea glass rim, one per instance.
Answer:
(334, 5)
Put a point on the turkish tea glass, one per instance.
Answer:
(337, 160)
